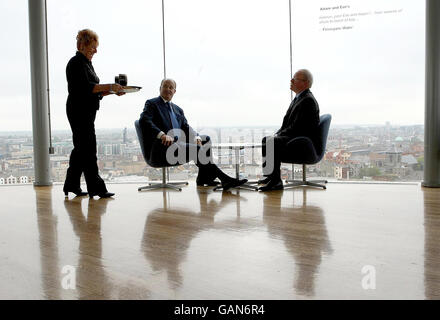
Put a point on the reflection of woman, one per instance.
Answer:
(85, 92)
(92, 280)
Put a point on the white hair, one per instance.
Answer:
(308, 76)
(168, 79)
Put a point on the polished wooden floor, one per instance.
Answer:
(199, 244)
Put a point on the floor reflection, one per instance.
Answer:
(49, 255)
(304, 232)
(169, 231)
(91, 278)
(432, 247)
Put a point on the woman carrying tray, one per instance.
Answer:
(85, 93)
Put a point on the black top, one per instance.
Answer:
(81, 79)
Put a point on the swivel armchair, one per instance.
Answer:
(300, 150)
(148, 159)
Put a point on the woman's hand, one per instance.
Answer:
(117, 89)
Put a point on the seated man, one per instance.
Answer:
(172, 140)
(301, 119)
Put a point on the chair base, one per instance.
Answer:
(169, 185)
(298, 183)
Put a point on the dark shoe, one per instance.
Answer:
(233, 184)
(272, 185)
(77, 192)
(212, 183)
(264, 181)
(102, 194)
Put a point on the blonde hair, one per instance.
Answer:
(85, 38)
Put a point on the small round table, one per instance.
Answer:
(237, 146)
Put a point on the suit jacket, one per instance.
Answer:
(302, 119)
(156, 118)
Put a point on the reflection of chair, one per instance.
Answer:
(301, 150)
(146, 152)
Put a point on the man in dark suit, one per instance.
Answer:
(301, 119)
(171, 139)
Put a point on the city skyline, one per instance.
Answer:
(379, 153)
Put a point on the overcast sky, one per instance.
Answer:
(230, 59)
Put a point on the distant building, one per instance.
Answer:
(124, 136)
(11, 180)
(409, 160)
(24, 179)
(378, 159)
(342, 173)
(14, 180)
(394, 157)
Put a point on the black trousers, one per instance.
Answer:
(272, 149)
(182, 152)
(83, 157)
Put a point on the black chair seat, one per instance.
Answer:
(300, 150)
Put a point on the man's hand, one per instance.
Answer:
(199, 142)
(166, 140)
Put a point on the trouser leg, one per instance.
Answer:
(272, 147)
(95, 184)
(201, 155)
(208, 171)
(73, 176)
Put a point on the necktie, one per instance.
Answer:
(174, 122)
